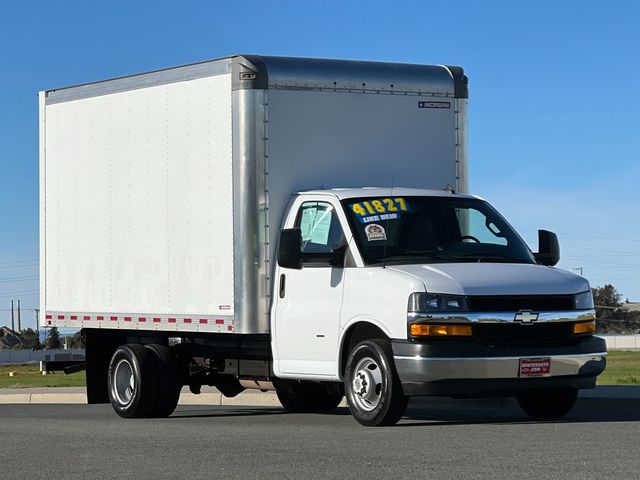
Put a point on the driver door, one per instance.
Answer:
(308, 301)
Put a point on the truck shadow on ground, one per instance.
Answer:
(507, 412)
(457, 412)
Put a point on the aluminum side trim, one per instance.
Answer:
(250, 234)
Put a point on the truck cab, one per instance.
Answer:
(401, 292)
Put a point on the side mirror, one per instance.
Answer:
(337, 256)
(548, 248)
(289, 249)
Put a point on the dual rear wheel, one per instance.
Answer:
(143, 381)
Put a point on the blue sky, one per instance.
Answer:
(554, 102)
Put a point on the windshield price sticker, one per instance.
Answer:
(379, 209)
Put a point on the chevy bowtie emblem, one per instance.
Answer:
(526, 316)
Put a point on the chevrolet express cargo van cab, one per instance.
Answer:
(297, 225)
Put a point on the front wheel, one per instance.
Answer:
(547, 403)
(373, 389)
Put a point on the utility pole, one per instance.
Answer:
(19, 326)
(13, 326)
(37, 323)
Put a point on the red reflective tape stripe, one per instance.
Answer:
(100, 317)
(74, 317)
(142, 319)
(219, 321)
(172, 320)
(114, 318)
(60, 317)
(187, 320)
(86, 317)
(230, 327)
(127, 319)
(156, 320)
(49, 317)
(203, 320)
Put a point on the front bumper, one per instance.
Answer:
(465, 368)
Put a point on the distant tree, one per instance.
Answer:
(75, 341)
(606, 299)
(53, 339)
(29, 338)
(37, 345)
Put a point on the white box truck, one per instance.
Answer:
(297, 225)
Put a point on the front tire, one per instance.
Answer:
(132, 381)
(547, 403)
(373, 389)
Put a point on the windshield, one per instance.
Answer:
(432, 229)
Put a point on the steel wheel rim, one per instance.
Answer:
(367, 383)
(124, 385)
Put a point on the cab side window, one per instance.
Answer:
(321, 230)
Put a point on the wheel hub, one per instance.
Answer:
(125, 383)
(366, 384)
(361, 383)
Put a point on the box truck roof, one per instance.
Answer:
(261, 72)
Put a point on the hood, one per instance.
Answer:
(495, 279)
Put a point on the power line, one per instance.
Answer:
(21, 266)
(596, 249)
(19, 279)
(19, 261)
(19, 294)
(587, 236)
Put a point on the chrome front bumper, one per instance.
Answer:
(469, 368)
(433, 369)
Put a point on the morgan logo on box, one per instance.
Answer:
(434, 104)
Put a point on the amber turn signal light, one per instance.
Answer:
(584, 327)
(432, 330)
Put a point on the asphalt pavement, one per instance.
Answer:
(439, 439)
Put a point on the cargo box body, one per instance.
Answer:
(162, 194)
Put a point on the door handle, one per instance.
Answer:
(282, 285)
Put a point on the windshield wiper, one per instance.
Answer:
(416, 254)
(488, 256)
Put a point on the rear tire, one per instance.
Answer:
(547, 403)
(373, 389)
(169, 384)
(308, 397)
(132, 381)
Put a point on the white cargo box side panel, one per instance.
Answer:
(138, 207)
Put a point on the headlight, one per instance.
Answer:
(583, 301)
(436, 302)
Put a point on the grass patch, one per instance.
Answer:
(623, 368)
(29, 375)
